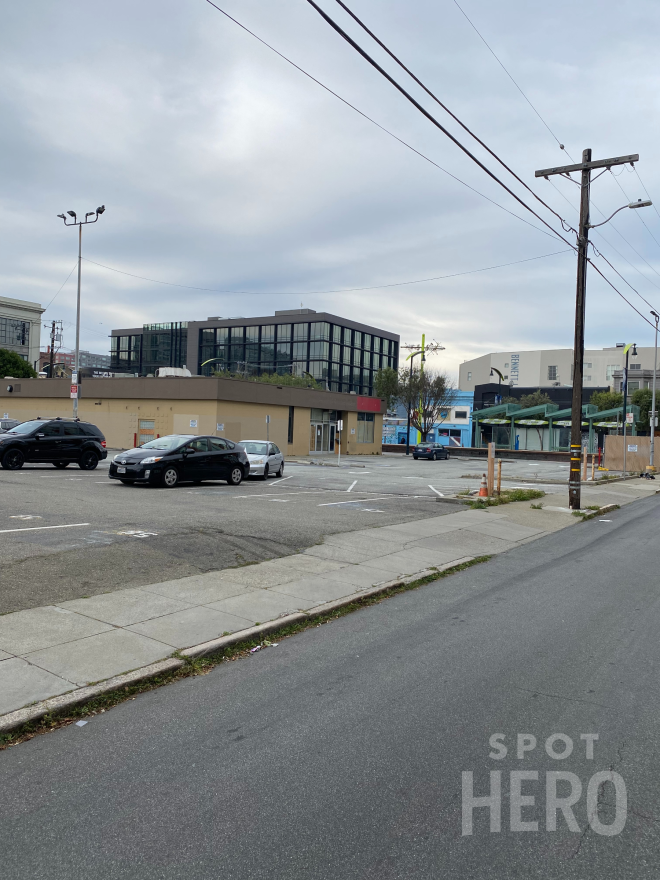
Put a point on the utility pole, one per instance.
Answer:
(585, 167)
(432, 347)
(52, 350)
(656, 318)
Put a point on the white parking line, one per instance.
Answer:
(350, 488)
(354, 501)
(41, 528)
(282, 480)
(436, 491)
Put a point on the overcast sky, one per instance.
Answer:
(223, 167)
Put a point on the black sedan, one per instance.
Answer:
(178, 458)
(432, 451)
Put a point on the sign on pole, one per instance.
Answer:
(74, 391)
(630, 418)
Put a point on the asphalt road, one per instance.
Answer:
(339, 753)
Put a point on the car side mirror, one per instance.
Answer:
(187, 452)
(41, 435)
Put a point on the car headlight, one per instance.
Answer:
(151, 460)
(257, 461)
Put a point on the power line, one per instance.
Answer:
(447, 110)
(341, 290)
(618, 183)
(61, 288)
(482, 38)
(373, 121)
(333, 24)
(655, 208)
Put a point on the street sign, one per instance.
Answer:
(220, 427)
(630, 418)
(74, 377)
(632, 448)
(268, 420)
(74, 391)
(193, 423)
(340, 424)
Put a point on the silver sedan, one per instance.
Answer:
(265, 458)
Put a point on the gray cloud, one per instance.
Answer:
(223, 167)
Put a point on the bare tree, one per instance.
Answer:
(428, 396)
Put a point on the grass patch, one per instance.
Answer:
(536, 506)
(507, 497)
(202, 665)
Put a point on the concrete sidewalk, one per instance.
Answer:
(57, 649)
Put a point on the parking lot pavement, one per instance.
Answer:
(71, 533)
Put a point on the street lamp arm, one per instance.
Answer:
(639, 204)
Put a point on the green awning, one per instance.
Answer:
(530, 422)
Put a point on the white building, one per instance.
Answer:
(536, 369)
(20, 328)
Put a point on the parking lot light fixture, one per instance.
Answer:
(79, 224)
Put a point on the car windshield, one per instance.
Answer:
(170, 442)
(254, 448)
(26, 427)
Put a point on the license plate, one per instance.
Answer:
(121, 470)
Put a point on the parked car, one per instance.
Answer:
(56, 441)
(432, 451)
(8, 424)
(176, 458)
(265, 458)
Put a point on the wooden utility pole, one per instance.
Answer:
(585, 168)
(52, 350)
(490, 480)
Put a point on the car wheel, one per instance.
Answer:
(13, 460)
(126, 482)
(415, 457)
(235, 477)
(88, 460)
(170, 477)
(265, 473)
(60, 464)
(280, 473)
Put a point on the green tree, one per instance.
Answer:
(536, 398)
(606, 400)
(12, 364)
(643, 398)
(428, 397)
(305, 381)
(386, 386)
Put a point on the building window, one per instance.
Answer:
(365, 427)
(506, 366)
(336, 334)
(319, 330)
(376, 343)
(318, 350)
(552, 373)
(632, 366)
(588, 366)
(252, 334)
(222, 335)
(633, 386)
(284, 332)
(469, 377)
(290, 434)
(300, 331)
(609, 372)
(460, 414)
(13, 332)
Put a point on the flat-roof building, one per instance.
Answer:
(20, 328)
(339, 353)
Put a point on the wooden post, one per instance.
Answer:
(499, 476)
(491, 469)
(584, 464)
(593, 467)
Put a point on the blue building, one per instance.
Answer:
(454, 429)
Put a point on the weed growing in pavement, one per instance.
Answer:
(192, 666)
(506, 497)
(536, 506)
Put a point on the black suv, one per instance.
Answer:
(58, 441)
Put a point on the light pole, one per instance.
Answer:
(656, 317)
(79, 223)
(625, 397)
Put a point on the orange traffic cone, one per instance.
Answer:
(483, 489)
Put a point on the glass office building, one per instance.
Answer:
(340, 354)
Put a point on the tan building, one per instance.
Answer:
(20, 328)
(133, 411)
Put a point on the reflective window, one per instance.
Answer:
(318, 350)
(268, 333)
(376, 343)
(252, 334)
(217, 444)
(336, 334)
(319, 330)
(172, 441)
(52, 430)
(300, 331)
(299, 351)
(208, 337)
(71, 429)
(199, 445)
(222, 335)
(366, 342)
(283, 332)
(357, 339)
(346, 354)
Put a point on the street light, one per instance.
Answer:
(79, 223)
(500, 376)
(656, 318)
(638, 204)
(628, 352)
